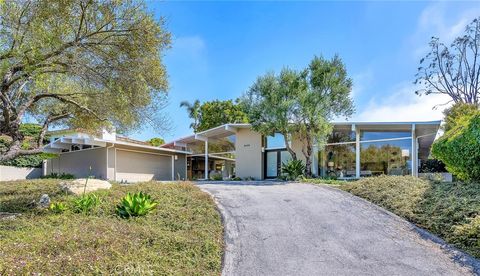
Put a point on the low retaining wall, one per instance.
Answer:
(447, 177)
(8, 173)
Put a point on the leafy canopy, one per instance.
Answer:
(214, 113)
(79, 64)
(300, 104)
(156, 141)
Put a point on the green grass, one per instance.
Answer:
(334, 182)
(449, 210)
(182, 236)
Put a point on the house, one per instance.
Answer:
(354, 150)
(113, 157)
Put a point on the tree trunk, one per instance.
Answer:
(287, 145)
(307, 150)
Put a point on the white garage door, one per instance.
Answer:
(139, 166)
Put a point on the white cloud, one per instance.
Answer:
(361, 82)
(440, 20)
(191, 46)
(404, 105)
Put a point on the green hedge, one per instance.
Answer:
(29, 161)
(459, 148)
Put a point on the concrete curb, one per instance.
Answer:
(230, 233)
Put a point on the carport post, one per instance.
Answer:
(206, 159)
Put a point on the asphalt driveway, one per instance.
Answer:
(302, 229)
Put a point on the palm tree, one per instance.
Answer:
(193, 110)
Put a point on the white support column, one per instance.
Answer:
(357, 151)
(206, 159)
(414, 154)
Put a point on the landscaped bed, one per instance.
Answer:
(449, 210)
(182, 236)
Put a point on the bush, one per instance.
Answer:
(432, 166)
(459, 147)
(59, 176)
(134, 205)
(468, 234)
(29, 161)
(85, 203)
(293, 169)
(58, 207)
(216, 177)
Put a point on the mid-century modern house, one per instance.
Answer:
(354, 150)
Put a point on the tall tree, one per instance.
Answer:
(270, 105)
(193, 110)
(216, 113)
(324, 95)
(454, 70)
(300, 104)
(79, 63)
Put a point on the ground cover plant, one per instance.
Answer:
(181, 236)
(327, 181)
(449, 210)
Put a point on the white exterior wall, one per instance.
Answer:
(248, 154)
(8, 173)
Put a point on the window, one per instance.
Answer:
(338, 161)
(378, 135)
(385, 157)
(275, 142)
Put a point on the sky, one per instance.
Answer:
(220, 48)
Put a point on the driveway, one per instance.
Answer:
(301, 229)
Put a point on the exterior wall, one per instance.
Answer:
(133, 166)
(248, 154)
(78, 163)
(8, 173)
(111, 163)
(180, 168)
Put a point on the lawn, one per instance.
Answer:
(449, 210)
(182, 236)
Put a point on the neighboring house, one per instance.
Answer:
(113, 157)
(355, 149)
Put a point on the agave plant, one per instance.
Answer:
(134, 205)
(293, 169)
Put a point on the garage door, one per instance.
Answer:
(139, 166)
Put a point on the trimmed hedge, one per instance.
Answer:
(459, 148)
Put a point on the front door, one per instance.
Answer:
(273, 162)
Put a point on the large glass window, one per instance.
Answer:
(385, 157)
(275, 142)
(338, 161)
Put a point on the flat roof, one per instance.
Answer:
(423, 128)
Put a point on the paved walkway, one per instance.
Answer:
(302, 229)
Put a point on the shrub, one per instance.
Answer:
(458, 148)
(216, 177)
(137, 204)
(29, 161)
(432, 166)
(293, 169)
(468, 234)
(58, 207)
(85, 203)
(59, 176)
(400, 194)
(236, 178)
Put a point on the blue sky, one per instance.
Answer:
(220, 48)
